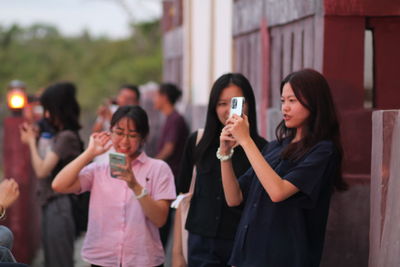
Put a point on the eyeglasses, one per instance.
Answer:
(121, 135)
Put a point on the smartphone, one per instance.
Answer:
(237, 104)
(116, 158)
(113, 108)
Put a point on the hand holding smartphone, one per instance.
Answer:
(116, 159)
(237, 104)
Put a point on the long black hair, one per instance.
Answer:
(313, 92)
(60, 101)
(213, 125)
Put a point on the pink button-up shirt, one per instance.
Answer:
(119, 234)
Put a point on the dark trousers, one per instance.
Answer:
(58, 232)
(208, 252)
(6, 255)
(165, 230)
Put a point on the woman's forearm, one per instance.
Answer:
(37, 161)
(232, 191)
(277, 188)
(67, 180)
(155, 210)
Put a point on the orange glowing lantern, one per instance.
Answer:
(16, 99)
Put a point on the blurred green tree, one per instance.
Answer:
(39, 55)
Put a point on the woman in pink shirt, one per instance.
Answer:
(124, 212)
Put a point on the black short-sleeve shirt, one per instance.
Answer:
(288, 233)
(209, 215)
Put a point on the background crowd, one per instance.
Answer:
(251, 203)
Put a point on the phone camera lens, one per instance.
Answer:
(234, 103)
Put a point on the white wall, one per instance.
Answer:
(201, 49)
(208, 46)
(222, 38)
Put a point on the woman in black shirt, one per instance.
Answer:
(210, 222)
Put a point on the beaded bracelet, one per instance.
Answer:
(224, 157)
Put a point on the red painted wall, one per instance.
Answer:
(386, 32)
(343, 65)
(362, 7)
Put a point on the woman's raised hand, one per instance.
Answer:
(9, 192)
(28, 133)
(238, 128)
(126, 174)
(226, 141)
(99, 143)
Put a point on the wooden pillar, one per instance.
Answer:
(23, 215)
(348, 225)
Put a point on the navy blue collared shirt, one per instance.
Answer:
(288, 233)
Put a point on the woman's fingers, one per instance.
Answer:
(236, 130)
(108, 146)
(125, 174)
(229, 121)
(227, 137)
(246, 120)
(102, 139)
(9, 192)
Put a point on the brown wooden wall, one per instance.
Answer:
(387, 57)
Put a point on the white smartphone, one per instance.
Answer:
(116, 158)
(113, 108)
(237, 104)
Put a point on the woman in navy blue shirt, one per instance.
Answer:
(287, 191)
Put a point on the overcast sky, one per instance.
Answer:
(71, 17)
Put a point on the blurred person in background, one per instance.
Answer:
(33, 111)
(128, 94)
(172, 137)
(175, 130)
(61, 111)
